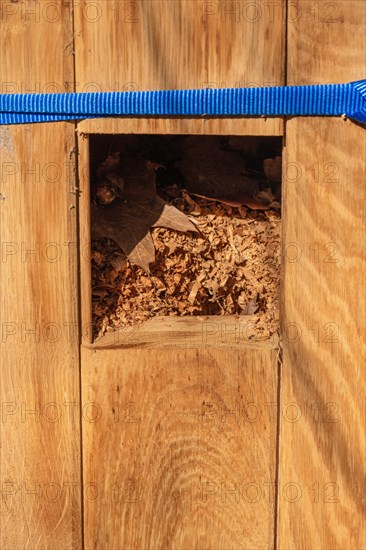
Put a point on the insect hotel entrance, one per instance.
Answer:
(185, 239)
(212, 392)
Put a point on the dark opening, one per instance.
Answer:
(185, 226)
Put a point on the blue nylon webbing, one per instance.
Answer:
(319, 100)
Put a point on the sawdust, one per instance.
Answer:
(230, 267)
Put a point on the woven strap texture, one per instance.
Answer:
(320, 100)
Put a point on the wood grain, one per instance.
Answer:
(85, 239)
(322, 452)
(209, 331)
(178, 44)
(40, 439)
(160, 461)
(179, 448)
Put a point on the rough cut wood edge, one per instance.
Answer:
(322, 444)
(210, 331)
(85, 239)
(268, 126)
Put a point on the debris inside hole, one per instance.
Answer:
(184, 226)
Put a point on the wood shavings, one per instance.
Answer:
(231, 267)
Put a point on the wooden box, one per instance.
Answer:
(217, 446)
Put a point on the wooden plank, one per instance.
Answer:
(206, 331)
(322, 450)
(85, 242)
(178, 44)
(40, 451)
(184, 126)
(179, 448)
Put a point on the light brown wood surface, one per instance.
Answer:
(179, 448)
(40, 450)
(322, 445)
(85, 242)
(170, 471)
(178, 44)
(213, 331)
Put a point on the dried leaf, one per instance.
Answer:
(273, 169)
(110, 165)
(238, 199)
(129, 218)
(215, 173)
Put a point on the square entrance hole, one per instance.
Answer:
(183, 228)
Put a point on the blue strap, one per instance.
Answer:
(320, 100)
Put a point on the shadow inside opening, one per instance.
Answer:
(185, 226)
